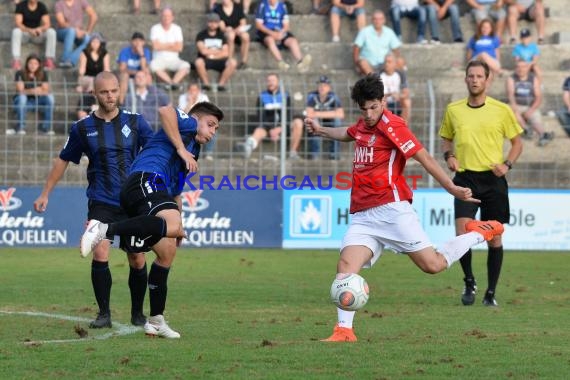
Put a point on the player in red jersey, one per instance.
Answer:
(383, 216)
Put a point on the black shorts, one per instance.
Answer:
(493, 192)
(280, 45)
(146, 194)
(107, 213)
(218, 65)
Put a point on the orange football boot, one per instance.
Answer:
(341, 334)
(489, 228)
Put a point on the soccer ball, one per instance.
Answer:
(350, 292)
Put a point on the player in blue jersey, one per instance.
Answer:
(151, 197)
(111, 139)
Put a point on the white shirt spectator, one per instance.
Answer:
(173, 34)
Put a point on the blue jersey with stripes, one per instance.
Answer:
(272, 17)
(159, 155)
(111, 148)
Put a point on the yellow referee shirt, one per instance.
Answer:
(478, 133)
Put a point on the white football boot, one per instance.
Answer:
(156, 326)
(94, 233)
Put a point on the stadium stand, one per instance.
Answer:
(435, 72)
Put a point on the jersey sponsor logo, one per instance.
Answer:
(405, 147)
(363, 154)
(311, 216)
(8, 201)
(93, 134)
(126, 131)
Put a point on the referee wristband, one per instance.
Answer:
(447, 155)
(509, 164)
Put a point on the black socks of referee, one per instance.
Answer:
(494, 264)
(141, 227)
(157, 288)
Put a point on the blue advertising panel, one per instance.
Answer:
(60, 225)
(315, 218)
(232, 218)
(539, 218)
(220, 218)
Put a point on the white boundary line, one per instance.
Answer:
(120, 329)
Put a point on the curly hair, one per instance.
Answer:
(368, 88)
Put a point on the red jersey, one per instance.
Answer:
(380, 155)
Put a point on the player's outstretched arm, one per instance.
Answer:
(437, 172)
(315, 128)
(55, 174)
(169, 122)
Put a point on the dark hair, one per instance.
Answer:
(368, 88)
(478, 63)
(39, 75)
(207, 108)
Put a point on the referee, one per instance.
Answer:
(473, 131)
(110, 138)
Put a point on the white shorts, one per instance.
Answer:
(394, 226)
(167, 64)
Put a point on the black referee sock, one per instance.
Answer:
(102, 281)
(141, 227)
(494, 264)
(157, 288)
(138, 279)
(465, 262)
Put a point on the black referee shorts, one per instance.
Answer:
(493, 192)
(146, 194)
(107, 213)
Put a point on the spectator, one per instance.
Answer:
(350, 8)
(132, 58)
(489, 9)
(529, 52)
(32, 24)
(269, 105)
(213, 54)
(244, 4)
(188, 100)
(396, 92)
(440, 10)
(33, 93)
(272, 24)
(525, 97)
(410, 9)
(137, 7)
(69, 15)
(86, 104)
(564, 113)
(530, 10)
(93, 60)
(484, 46)
(235, 27)
(147, 99)
(325, 106)
(167, 43)
(373, 43)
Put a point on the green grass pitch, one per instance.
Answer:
(259, 314)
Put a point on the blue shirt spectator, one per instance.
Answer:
(375, 41)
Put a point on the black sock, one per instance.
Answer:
(138, 279)
(157, 288)
(494, 264)
(141, 227)
(465, 262)
(102, 281)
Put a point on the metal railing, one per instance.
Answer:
(26, 160)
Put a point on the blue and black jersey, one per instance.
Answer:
(159, 155)
(111, 148)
